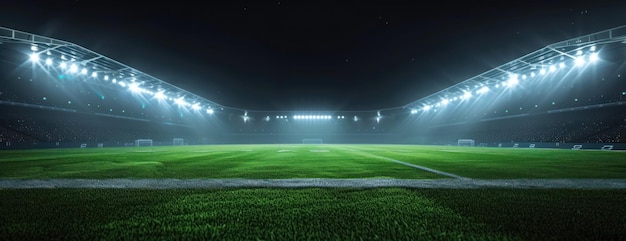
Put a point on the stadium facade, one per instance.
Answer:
(58, 94)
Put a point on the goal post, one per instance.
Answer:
(312, 141)
(143, 142)
(178, 141)
(465, 142)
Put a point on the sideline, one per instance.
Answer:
(446, 183)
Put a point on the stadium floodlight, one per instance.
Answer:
(73, 68)
(542, 71)
(426, 107)
(413, 111)
(160, 95)
(34, 48)
(196, 106)
(181, 101)
(593, 57)
(122, 83)
(482, 90)
(83, 71)
(106, 77)
(579, 61)
(309, 117)
(245, 117)
(49, 61)
(63, 65)
(552, 68)
(34, 57)
(513, 80)
(466, 95)
(210, 111)
(444, 102)
(94, 74)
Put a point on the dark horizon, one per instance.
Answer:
(277, 56)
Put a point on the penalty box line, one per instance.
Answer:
(423, 168)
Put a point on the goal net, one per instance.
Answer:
(143, 142)
(178, 141)
(312, 141)
(465, 142)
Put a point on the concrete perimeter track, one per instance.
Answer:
(452, 183)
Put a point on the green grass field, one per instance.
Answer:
(309, 161)
(311, 213)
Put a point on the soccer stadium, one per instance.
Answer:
(93, 149)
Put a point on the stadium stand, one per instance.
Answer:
(40, 109)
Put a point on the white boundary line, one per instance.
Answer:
(447, 183)
(426, 169)
(423, 168)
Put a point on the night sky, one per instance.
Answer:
(313, 55)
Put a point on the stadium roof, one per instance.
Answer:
(561, 54)
(290, 56)
(99, 68)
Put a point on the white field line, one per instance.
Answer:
(427, 169)
(423, 168)
(446, 183)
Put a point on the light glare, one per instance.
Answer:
(579, 61)
(34, 57)
(160, 95)
(73, 68)
(593, 57)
